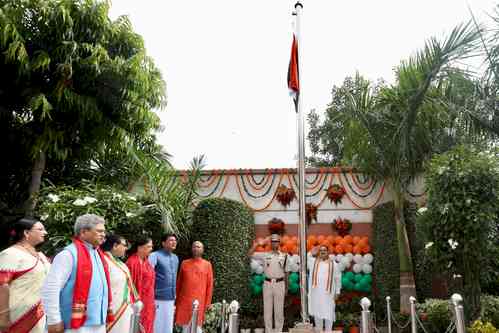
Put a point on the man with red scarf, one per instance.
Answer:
(76, 295)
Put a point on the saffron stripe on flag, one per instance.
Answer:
(294, 73)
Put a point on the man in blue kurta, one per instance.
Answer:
(165, 264)
(76, 295)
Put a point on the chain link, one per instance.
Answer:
(420, 323)
(397, 324)
(451, 327)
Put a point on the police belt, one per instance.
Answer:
(274, 280)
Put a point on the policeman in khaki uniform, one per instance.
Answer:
(275, 267)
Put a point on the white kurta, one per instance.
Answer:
(58, 276)
(320, 301)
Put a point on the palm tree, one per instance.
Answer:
(392, 131)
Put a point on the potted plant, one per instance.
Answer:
(352, 323)
(339, 323)
(276, 226)
(342, 226)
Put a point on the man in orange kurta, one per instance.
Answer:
(194, 281)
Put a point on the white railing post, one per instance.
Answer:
(135, 319)
(365, 327)
(233, 317)
(194, 317)
(389, 314)
(223, 312)
(414, 328)
(457, 300)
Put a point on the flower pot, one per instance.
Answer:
(353, 329)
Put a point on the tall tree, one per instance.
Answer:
(73, 81)
(390, 131)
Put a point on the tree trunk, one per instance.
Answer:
(34, 186)
(407, 281)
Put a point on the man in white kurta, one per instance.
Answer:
(324, 287)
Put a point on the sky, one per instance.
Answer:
(225, 65)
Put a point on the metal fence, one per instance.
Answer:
(368, 325)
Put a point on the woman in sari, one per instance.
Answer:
(143, 277)
(122, 287)
(22, 272)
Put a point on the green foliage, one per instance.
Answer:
(124, 214)
(482, 327)
(490, 309)
(385, 250)
(389, 132)
(213, 318)
(326, 144)
(226, 228)
(439, 314)
(423, 268)
(463, 205)
(74, 83)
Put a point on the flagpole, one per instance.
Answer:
(301, 180)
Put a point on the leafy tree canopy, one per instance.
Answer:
(74, 84)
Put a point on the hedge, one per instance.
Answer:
(386, 267)
(226, 228)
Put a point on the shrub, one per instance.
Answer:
(212, 318)
(226, 227)
(490, 309)
(463, 205)
(481, 327)
(59, 207)
(438, 313)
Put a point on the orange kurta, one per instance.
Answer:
(194, 281)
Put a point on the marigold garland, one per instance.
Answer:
(266, 205)
(210, 180)
(365, 195)
(363, 187)
(320, 181)
(381, 191)
(257, 186)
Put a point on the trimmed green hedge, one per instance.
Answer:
(386, 268)
(227, 229)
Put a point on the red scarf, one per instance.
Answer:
(82, 285)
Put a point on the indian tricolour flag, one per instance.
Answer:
(293, 73)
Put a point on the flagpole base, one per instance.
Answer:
(302, 328)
